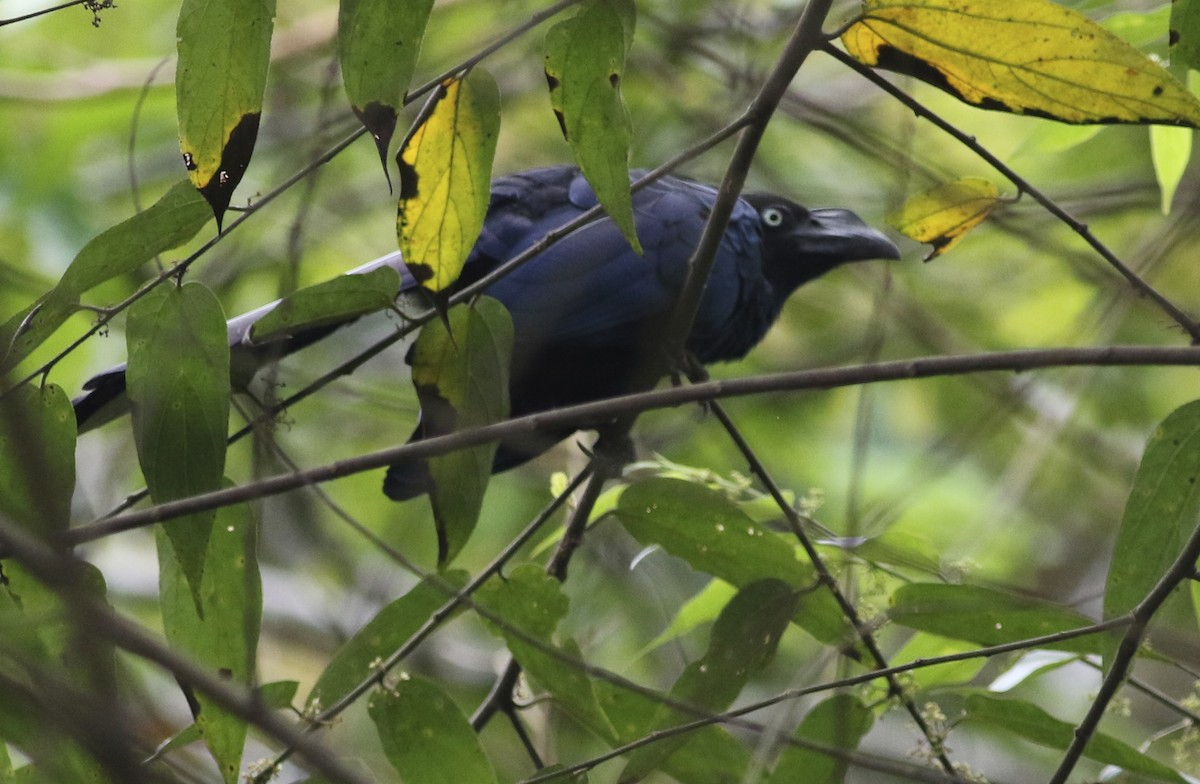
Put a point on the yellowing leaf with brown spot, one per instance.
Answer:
(941, 216)
(445, 177)
(1022, 56)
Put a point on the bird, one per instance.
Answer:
(589, 310)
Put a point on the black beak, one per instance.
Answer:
(842, 235)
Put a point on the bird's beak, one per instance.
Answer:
(840, 234)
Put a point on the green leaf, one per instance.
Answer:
(278, 694)
(1170, 151)
(381, 636)
(743, 642)
(987, 617)
(461, 377)
(445, 177)
(840, 722)
(330, 302)
(224, 50)
(37, 458)
(702, 608)
(378, 44)
(929, 646)
(426, 737)
(221, 631)
(1030, 722)
(178, 385)
(585, 61)
(1160, 515)
(1184, 39)
(711, 533)
(532, 603)
(1024, 56)
(943, 215)
(168, 223)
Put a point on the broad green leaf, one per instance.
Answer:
(224, 50)
(426, 737)
(330, 302)
(37, 458)
(743, 642)
(168, 223)
(221, 631)
(928, 646)
(585, 61)
(943, 215)
(178, 384)
(987, 617)
(381, 636)
(31, 726)
(461, 377)
(1184, 38)
(1162, 512)
(708, 531)
(278, 694)
(445, 177)
(839, 722)
(378, 44)
(531, 604)
(1024, 56)
(1030, 722)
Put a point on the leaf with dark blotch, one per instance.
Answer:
(1162, 512)
(168, 223)
(461, 378)
(331, 302)
(37, 458)
(839, 723)
(1028, 721)
(1025, 56)
(1184, 37)
(743, 641)
(378, 45)
(221, 632)
(585, 62)
(942, 216)
(224, 49)
(178, 383)
(445, 178)
(426, 736)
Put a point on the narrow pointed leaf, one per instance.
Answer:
(426, 736)
(1162, 512)
(1028, 721)
(840, 723)
(224, 50)
(37, 458)
(711, 533)
(221, 631)
(943, 215)
(987, 617)
(178, 383)
(378, 44)
(1024, 56)
(1170, 150)
(461, 377)
(445, 177)
(380, 637)
(168, 223)
(743, 642)
(330, 302)
(585, 62)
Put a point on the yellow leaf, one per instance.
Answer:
(445, 177)
(1022, 56)
(941, 216)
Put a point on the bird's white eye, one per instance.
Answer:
(772, 217)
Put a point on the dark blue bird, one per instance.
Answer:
(587, 313)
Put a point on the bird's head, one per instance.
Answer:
(800, 244)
